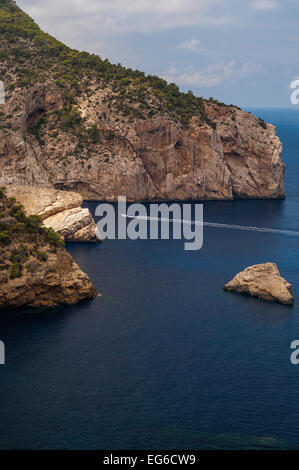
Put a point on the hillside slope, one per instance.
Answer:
(74, 121)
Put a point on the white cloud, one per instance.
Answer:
(125, 16)
(212, 75)
(264, 5)
(192, 45)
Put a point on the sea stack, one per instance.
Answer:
(263, 281)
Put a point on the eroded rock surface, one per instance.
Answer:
(60, 210)
(58, 280)
(143, 159)
(263, 281)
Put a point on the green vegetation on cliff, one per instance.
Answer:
(27, 54)
(21, 238)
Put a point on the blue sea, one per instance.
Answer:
(165, 359)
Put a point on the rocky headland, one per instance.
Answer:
(73, 121)
(35, 268)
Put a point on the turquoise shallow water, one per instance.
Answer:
(165, 358)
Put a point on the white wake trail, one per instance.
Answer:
(217, 225)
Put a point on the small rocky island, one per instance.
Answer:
(263, 281)
(35, 268)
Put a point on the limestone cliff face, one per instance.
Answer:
(157, 158)
(251, 152)
(59, 210)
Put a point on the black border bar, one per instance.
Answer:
(149, 459)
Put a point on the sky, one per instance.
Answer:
(240, 52)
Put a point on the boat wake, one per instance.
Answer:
(217, 225)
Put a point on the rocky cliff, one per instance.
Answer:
(103, 130)
(59, 210)
(35, 269)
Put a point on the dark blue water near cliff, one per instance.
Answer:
(165, 358)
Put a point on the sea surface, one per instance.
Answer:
(165, 359)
